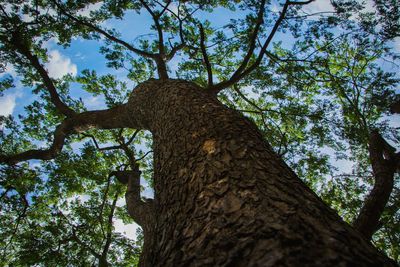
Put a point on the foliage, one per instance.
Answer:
(316, 94)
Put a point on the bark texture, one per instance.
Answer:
(224, 198)
(384, 163)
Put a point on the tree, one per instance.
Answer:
(218, 185)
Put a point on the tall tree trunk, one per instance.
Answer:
(224, 198)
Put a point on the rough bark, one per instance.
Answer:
(143, 213)
(224, 198)
(141, 210)
(384, 161)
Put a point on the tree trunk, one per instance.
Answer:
(224, 198)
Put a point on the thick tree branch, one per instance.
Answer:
(61, 132)
(160, 57)
(253, 39)
(384, 162)
(21, 46)
(156, 18)
(141, 210)
(205, 56)
(138, 209)
(100, 119)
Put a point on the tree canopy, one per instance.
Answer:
(320, 81)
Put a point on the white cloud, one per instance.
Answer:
(92, 7)
(60, 65)
(94, 102)
(326, 6)
(10, 70)
(27, 18)
(128, 230)
(8, 103)
(174, 8)
(369, 6)
(319, 6)
(275, 7)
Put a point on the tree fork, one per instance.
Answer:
(116, 117)
(384, 163)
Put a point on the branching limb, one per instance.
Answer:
(299, 3)
(143, 212)
(104, 33)
(205, 56)
(253, 39)
(23, 48)
(173, 51)
(160, 57)
(100, 119)
(145, 155)
(61, 132)
(384, 163)
(156, 19)
(244, 69)
(140, 210)
(109, 147)
(180, 46)
(103, 204)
